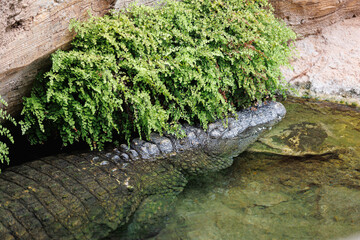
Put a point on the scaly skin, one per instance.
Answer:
(88, 195)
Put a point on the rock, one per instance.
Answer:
(328, 64)
(311, 16)
(324, 130)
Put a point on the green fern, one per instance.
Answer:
(148, 69)
(4, 132)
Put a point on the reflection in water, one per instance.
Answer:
(299, 181)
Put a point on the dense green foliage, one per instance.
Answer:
(5, 133)
(147, 69)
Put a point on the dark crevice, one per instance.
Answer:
(16, 25)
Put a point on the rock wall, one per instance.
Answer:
(328, 64)
(311, 16)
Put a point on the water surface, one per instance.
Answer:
(299, 181)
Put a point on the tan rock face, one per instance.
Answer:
(328, 64)
(310, 16)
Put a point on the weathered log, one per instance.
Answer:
(88, 195)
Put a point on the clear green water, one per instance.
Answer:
(299, 181)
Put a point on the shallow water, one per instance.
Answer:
(299, 181)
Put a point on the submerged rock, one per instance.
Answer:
(88, 195)
(323, 128)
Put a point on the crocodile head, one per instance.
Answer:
(207, 150)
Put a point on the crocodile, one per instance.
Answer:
(89, 195)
